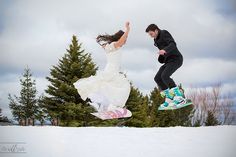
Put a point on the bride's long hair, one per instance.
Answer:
(107, 39)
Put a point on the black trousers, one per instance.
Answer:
(162, 77)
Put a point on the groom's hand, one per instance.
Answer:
(162, 52)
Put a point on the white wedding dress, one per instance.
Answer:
(109, 88)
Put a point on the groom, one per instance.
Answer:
(171, 59)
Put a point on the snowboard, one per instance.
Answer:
(185, 103)
(113, 114)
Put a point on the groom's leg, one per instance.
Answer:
(158, 79)
(170, 68)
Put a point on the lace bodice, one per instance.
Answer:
(113, 56)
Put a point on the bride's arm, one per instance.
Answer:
(124, 37)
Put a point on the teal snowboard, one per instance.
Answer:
(185, 103)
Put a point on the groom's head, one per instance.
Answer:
(152, 30)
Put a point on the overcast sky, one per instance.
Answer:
(37, 33)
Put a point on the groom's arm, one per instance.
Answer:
(169, 39)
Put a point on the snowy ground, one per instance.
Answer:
(51, 141)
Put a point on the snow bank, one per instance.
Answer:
(49, 141)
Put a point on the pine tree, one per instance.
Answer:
(1, 114)
(25, 106)
(197, 123)
(17, 109)
(41, 114)
(3, 118)
(155, 98)
(138, 105)
(211, 120)
(63, 101)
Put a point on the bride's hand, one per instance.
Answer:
(127, 26)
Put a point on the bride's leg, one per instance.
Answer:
(99, 99)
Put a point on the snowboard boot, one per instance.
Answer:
(168, 104)
(178, 99)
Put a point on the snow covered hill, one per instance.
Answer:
(49, 141)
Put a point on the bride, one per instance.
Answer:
(109, 88)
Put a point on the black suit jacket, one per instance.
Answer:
(165, 41)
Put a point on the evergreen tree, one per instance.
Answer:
(3, 118)
(138, 105)
(211, 120)
(41, 114)
(63, 100)
(25, 106)
(197, 123)
(16, 109)
(1, 114)
(155, 98)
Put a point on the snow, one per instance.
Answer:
(51, 141)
